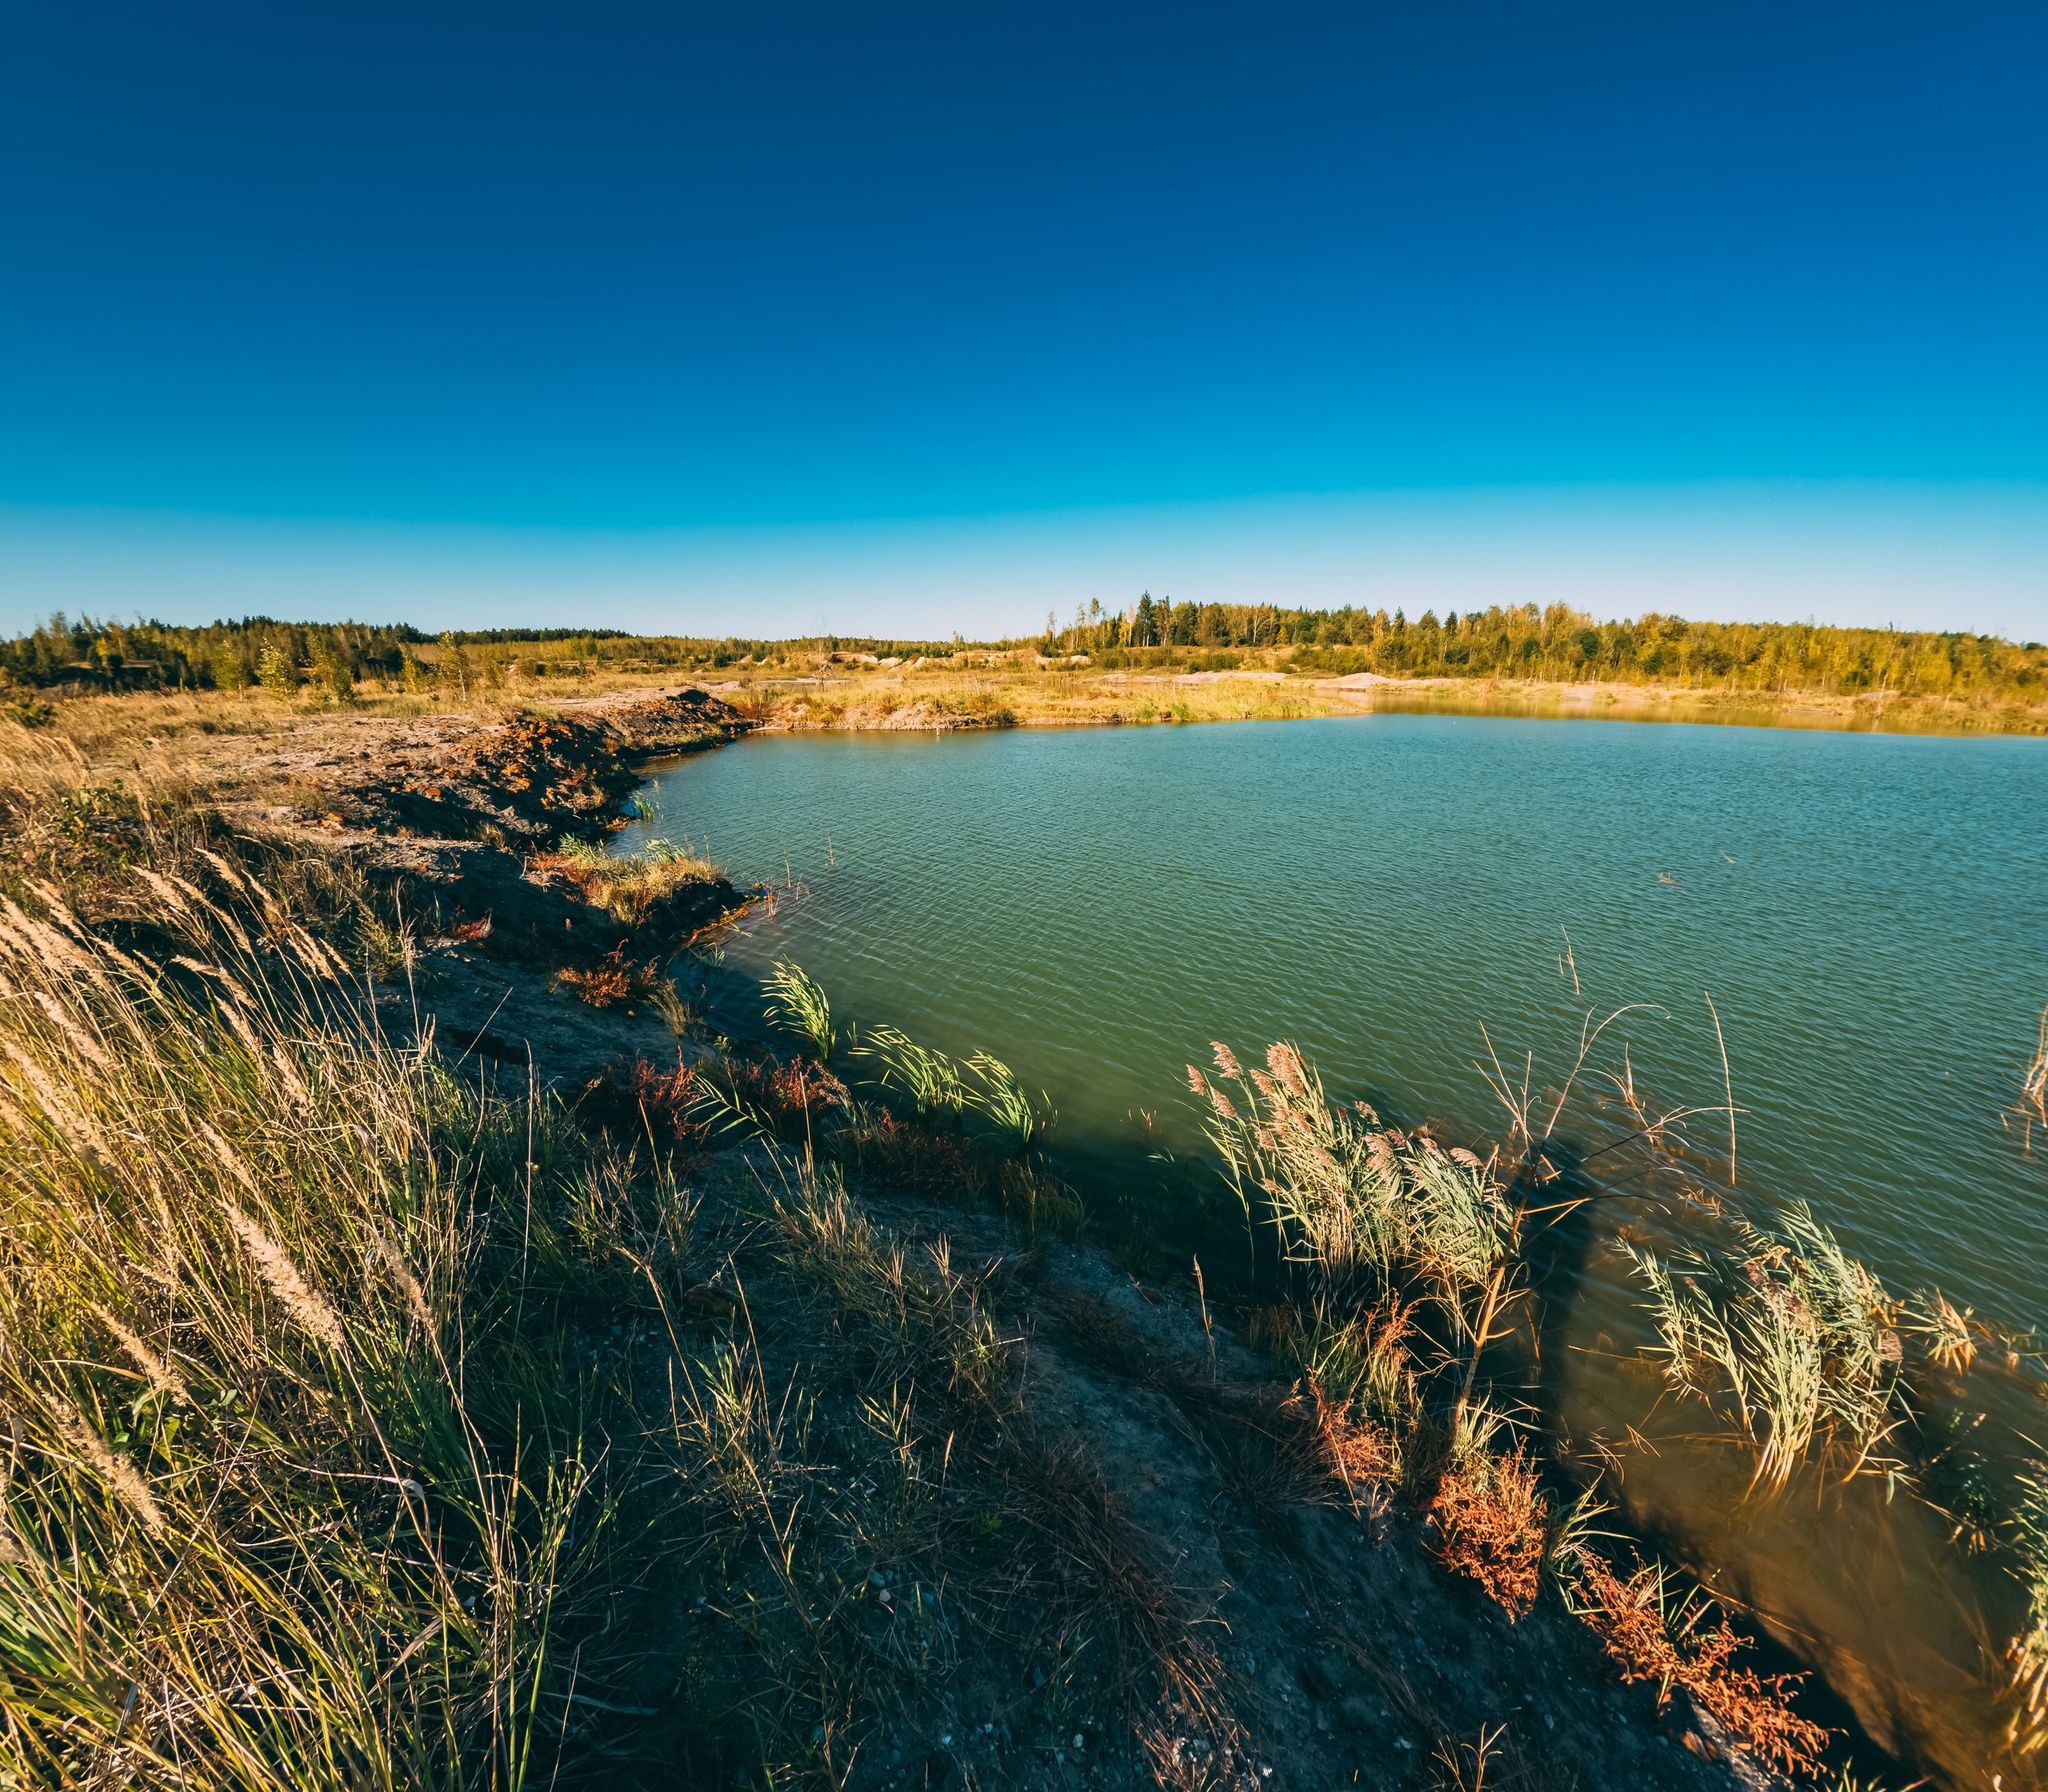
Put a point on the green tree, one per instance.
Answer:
(336, 676)
(280, 677)
(451, 671)
(229, 671)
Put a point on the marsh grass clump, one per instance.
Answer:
(1412, 1255)
(930, 1079)
(628, 886)
(973, 1130)
(1782, 1325)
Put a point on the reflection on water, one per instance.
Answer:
(1867, 911)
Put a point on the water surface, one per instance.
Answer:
(1869, 914)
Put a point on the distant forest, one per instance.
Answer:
(1556, 644)
(111, 656)
(1563, 644)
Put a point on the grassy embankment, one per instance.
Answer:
(371, 1428)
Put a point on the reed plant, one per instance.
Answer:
(1362, 1209)
(1798, 1336)
(2032, 1105)
(795, 1002)
(946, 1089)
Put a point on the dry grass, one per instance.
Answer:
(266, 1539)
(1647, 1639)
(372, 1432)
(1493, 1526)
(628, 886)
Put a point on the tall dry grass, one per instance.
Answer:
(295, 1494)
(364, 1429)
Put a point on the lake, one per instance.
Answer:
(1869, 914)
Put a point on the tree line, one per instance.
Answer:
(1557, 644)
(85, 654)
(1563, 644)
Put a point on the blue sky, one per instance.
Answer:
(746, 317)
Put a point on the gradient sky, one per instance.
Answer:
(754, 317)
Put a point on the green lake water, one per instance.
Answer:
(1869, 913)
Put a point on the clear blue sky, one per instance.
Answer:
(476, 305)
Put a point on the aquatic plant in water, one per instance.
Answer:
(1783, 1323)
(1361, 1207)
(796, 1002)
(942, 1087)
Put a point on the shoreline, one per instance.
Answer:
(463, 814)
(1122, 698)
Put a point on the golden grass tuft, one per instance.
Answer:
(117, 1471)
(310, 1311)
(627, 886)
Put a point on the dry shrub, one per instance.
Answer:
(671, 1101)
(614, 980)
(1492, 1525)
(1360, 1452)
(784, 1093)
(1629, 1618)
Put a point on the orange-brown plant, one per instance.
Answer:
(1647, 1643)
